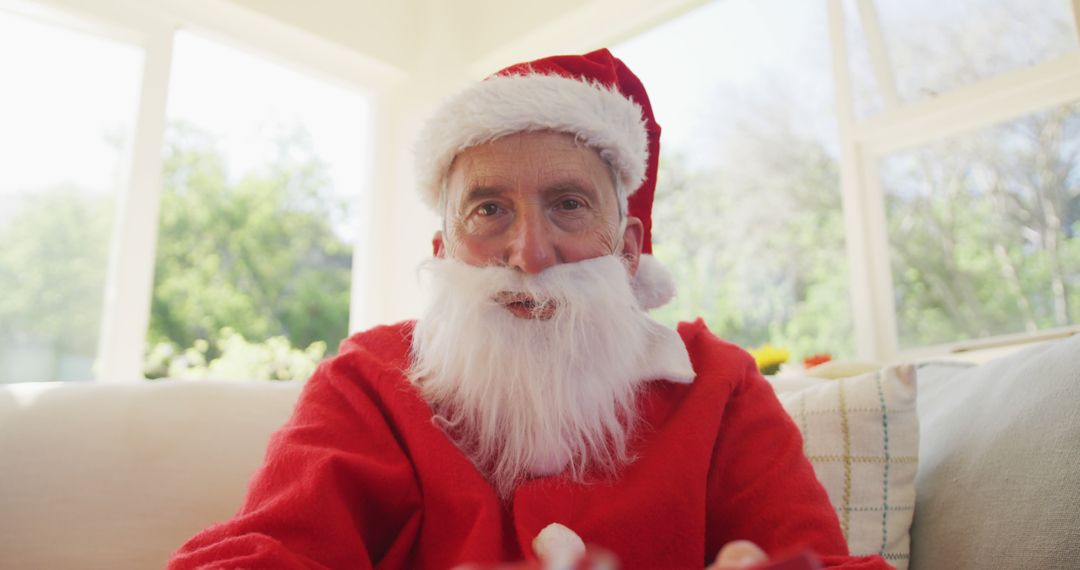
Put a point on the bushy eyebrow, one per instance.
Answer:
(482, 193)
(572, 186)
(477, 194)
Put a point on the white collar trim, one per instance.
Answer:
(666, 357)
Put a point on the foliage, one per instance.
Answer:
(256, 258)
(984, 231)
(52, 268)
(982, 228)
(755, 241)
(241, 266)
(273, 359)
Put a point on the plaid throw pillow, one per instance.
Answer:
(862, 434)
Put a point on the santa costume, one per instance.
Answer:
(361, 477)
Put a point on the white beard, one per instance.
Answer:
(526, 397)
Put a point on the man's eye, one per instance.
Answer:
(570, 204)
(488, 210)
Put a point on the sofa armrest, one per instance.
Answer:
(99, 475)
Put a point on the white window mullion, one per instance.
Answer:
(855, 229)
(130, 278)
(879, 266)
(879, 54)
(982, 104)
(1076, 17)
(364, 271)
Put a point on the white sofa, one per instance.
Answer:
(117, 476)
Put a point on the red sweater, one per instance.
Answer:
(360, 478)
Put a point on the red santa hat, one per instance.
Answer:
(594, 97)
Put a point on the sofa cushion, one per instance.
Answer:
(861, 435)
(999, 470)
(119, 475)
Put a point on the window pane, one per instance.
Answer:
(262, 165)
(67, 107)
(934, 46)
(748, 214)
(983, 230)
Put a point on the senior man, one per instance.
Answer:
(534, 389)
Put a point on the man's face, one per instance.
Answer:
(530, 201)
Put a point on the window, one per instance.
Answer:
(262, 168)
(906, 51)
(748, 209)
(968, 123)
(952, 134)
(67, 108)
(984, 230)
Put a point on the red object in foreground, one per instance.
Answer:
(594, 559)
(360, 477)
(804, 560)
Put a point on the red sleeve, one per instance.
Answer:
(763, 489)
(336, 489)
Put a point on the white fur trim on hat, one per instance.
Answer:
(653, 284)
(598, 116)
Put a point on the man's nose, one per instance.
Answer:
(532, 247)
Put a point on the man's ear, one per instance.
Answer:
(632, 239)
(438, 247)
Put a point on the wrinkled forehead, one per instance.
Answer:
(535, 159)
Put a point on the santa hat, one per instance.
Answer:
(594, 97)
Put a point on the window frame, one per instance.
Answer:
(865, 142)
(132, 249)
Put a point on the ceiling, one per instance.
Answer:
(419, 35)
